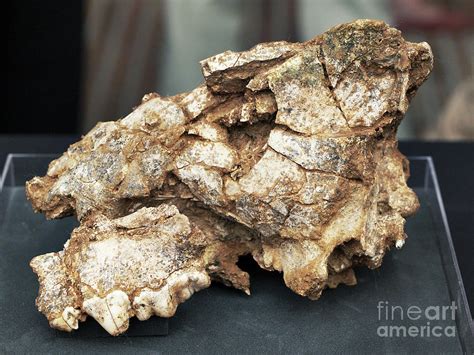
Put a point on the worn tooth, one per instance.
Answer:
(71, 317)
(60, 324)
(149, 302)
(112, 311)
(163, 303)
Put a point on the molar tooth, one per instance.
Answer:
(164, 302)
(112, 312)
(60, 323)
(71, 317)
(150, 302)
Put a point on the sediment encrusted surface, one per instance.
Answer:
(286, 152)
(142, 264)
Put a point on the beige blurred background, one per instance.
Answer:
(132, 47)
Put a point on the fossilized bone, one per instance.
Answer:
(142, 264)
(288, 152)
